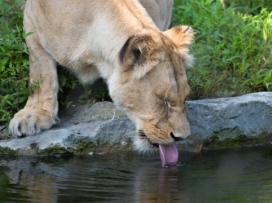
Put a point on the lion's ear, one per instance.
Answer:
(139, 55)
(182, 36)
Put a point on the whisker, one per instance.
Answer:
(141, 132)
(153, 144)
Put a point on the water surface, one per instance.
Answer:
(233, 175)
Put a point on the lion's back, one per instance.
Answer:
(160, 11)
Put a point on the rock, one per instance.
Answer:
(240, 119)
(98, 111)
(102, 128)
(83, 138)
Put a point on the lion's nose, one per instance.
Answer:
(176, 138)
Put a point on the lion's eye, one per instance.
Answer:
(172, 104)
(167, 106)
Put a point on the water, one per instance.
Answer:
(234, 175)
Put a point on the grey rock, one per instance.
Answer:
(103, 128)
(103, 111)
(97, 111)
(249, 115)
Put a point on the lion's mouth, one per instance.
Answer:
(143, 135)
(168, 153)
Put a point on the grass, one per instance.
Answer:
(14, 60)
(232, 48)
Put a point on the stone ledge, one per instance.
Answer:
(235, 121)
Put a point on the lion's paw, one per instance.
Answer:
(31, 121)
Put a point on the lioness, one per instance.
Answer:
(119, 41)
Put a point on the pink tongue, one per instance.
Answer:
(169, 154)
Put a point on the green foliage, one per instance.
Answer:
(72, 91)
(97, 92)
(14, 60)
(67, 82)
(249, 6)
(232, 49)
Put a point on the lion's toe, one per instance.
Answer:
(27, 123)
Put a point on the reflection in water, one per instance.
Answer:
(236, 175)
(159, 185)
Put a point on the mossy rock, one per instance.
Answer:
(7, 151)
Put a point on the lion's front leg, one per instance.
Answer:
(41, 109)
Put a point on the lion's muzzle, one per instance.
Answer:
(176, 138)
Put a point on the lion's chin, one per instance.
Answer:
(144, 146)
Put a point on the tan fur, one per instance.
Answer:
(119, 41)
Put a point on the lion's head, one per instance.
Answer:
(151, 86)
